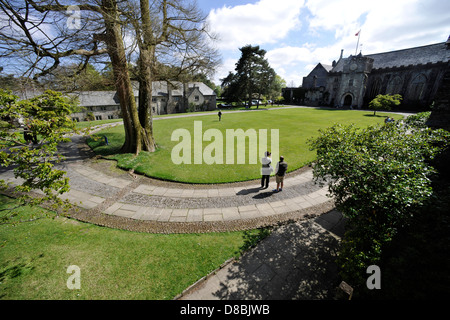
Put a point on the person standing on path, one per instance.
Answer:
(280, 172)
(266, 169)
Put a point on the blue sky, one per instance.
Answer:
(298, 34)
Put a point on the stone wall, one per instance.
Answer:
(440, 115)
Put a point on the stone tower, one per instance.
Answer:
(354, 80)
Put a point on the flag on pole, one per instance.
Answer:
(357, 44)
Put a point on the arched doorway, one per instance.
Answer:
(348, 100)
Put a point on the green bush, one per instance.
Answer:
(378, 176)
(418, 120)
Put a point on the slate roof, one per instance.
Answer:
(433, 53)
(97, 98)
(159, 88)
(327, 67)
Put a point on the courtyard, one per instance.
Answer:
(201, 225)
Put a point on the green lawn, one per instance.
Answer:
(114, 264)
(296, 127)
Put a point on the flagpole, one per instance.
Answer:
(357, 44)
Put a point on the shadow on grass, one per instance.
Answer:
(108, 146)
(375, 116)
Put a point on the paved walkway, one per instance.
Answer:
(296, 262)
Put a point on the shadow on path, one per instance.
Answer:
(296, 262)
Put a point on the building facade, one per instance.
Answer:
(416, 74)
(167, 98)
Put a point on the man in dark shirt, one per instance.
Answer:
(280, 172)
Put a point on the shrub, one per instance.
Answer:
(418, 120)
(378, 176)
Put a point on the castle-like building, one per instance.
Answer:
(416, 74)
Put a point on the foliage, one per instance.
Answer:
(385, 102)
(35, 154)
(71, 78)
(253, 76)
(418, 120)
(378, 176)
(253, 237)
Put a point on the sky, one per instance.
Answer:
(298, 34)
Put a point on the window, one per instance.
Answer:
(153, 99)
(417, 87)
(350, 82)
(395, 85)
(197, 98)
(375, 89)
(110, 116)
(98, 117)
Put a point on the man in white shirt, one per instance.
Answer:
(266, 170)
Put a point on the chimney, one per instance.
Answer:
(342, 53)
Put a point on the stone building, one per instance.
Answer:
(175, 97)
(167, 98)
(101, 105)
(416, 74)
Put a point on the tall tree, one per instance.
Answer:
(253, 76)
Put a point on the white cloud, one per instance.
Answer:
(223, 70)
(266, 21)
(292, 63)
(288, 55)
(385, 24)
(299, 34)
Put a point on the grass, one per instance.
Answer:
(88, 124)
(296, 127)
(114, 264)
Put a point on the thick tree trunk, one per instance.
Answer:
(146, 68)
(145, 101)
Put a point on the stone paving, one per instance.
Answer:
(159, 203)
(296, 262)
